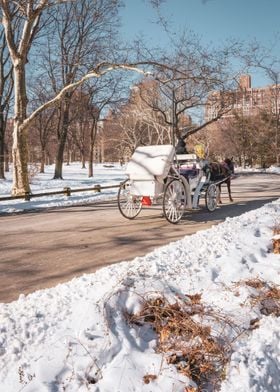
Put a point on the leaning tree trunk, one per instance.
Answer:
(20, 135)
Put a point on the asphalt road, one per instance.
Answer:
(41, 249)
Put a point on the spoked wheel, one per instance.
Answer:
(211, 197)
(129, 205)
(174, 200)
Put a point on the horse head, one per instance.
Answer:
(230, 164)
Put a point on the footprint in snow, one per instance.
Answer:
(253, 258)
(215, 274)
(257, 233)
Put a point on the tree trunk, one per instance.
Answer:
(6, 158)
(20, 142)
(92, 140)
(20, 161)
(43, 159)
(59, 156)
(62, 139)
(68, 155)
(49, 160)
(2, 146)
(83, 160)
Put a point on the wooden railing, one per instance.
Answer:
(67, 191)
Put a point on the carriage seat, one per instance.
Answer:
(190, 168)
(150, 162)
(189, 163)
(186, 158)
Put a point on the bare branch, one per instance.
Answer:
(100, 70)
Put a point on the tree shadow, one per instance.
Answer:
(226, 210)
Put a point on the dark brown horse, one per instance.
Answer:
(221, 172)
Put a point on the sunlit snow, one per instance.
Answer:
(75, 337)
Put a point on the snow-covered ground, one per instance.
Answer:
(271, 169)
(76, 336)
(74, 177)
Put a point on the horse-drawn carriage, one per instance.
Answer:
(156, 175)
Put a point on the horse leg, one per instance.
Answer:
(229, 190)
(219, 200)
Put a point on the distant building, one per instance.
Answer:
(245, 100)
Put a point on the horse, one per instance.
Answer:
(220, 172)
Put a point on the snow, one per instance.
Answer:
(73, 177)
(271, 169)
(75, 336)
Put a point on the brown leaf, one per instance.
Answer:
(164, 334)
(148, 378)
(196, 298)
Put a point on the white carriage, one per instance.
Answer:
(155, 176)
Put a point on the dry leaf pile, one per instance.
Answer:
(266, 297)
(276, 240)
(188, 337)
(195, 338)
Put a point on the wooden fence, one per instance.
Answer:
(67, 191)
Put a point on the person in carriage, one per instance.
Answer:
(181, 147)
(189, 172)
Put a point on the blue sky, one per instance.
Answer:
(212, 20)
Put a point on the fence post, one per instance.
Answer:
(67, 191)
(27, 196)
(97, 188)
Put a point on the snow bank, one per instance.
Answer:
(75, 336)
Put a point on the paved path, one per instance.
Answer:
(41, 249)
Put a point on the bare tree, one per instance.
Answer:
(43, 129)
(134, 123)
(30, 12)
(19, 47)
(82, 34)
(246, 138)
(44, 125)
(273, 72)
(79, 129)
(196, 75)
(75, 72)
(259, 57)
(102, 95)
(6, 85)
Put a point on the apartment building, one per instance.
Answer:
(245, 100)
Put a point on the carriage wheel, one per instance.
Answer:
(211, 197)
(174, 200)
(129, 205)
